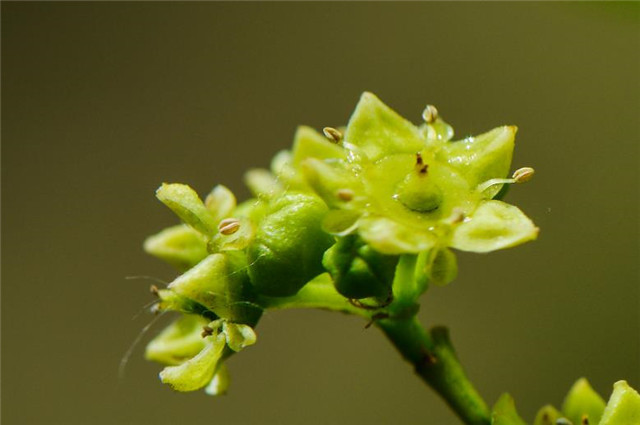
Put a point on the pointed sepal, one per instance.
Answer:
(180, 246)
(198, 371)
(178, 342)
(583, 402)
(504, 412)
(186, 204)
(623, 406)
(377, 130)
(494, 225)
(482, 157)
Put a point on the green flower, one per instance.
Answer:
(407, 189)
(378, 209)
(581, 406)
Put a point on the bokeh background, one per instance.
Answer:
(103, 102)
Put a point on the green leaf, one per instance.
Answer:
(184, 201)
(504, 412)
(287, 250)
(482, 157)
(377, 130)
(220, 202)
(494, 225)
(219, 385)
(547, 415)
(199, 370)
(178, 342)
(623, 407)
(582, 401)
(180, 246)
(238, 335)
(392, 238)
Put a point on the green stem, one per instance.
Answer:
(319, 293)
(435, 361)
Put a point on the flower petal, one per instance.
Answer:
(308, 143)
(199, 370)
(482, 157)
(262, 183)
(238, 336)
(178, 342)
(623, 406)
(184, 201)
(221, 202)
(220, 382)
(494, 225)
(180, 246)
(390, 237)
(379, 131)
(581, 401)
(504, 412)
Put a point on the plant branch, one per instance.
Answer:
(435, 361)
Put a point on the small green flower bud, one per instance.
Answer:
(287, 250)
(504, 412)
(359, 271)
(238, 336)
(547, 415)
(583, 401)
(220, 283)
(442, 268)
(623, 406)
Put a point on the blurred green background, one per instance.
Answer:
(103, 102)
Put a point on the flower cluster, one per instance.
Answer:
(366, 215)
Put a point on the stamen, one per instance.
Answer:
(206, 331)
(229, 226)
(486, 185)
(154, 290)
(421, 167)
(522, 175)
(430, 114)
(345, 194)
(457, 216)
(332, 134)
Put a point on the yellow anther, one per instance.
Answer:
(229, 226)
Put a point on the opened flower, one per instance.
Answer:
(359, 219)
